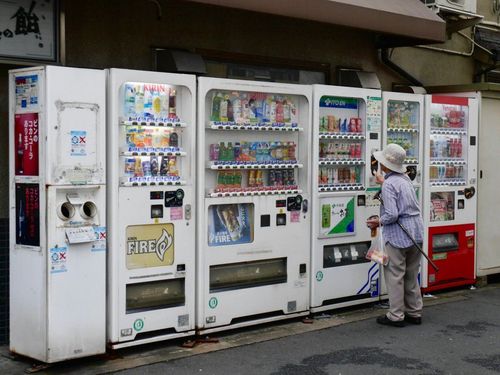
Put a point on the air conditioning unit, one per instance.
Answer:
(468, 6)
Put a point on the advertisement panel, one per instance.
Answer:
(28, 214)
(26, 143)
(150, 245)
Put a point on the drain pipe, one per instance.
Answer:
(384, 57)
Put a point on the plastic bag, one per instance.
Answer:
(377, 252)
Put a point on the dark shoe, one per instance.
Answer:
(388, 322)
(413, 319)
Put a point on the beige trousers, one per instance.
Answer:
(401, 278)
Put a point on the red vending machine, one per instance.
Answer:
(450, 182)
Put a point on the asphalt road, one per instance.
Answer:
(460, 337)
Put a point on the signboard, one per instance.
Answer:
(150, 245)
(26, 138)
(27, 29)
(337, 217)
(28, 214)
(230, 224)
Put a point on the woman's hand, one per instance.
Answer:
(373, 222)
(379, 178)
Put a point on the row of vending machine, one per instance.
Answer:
(147, 206)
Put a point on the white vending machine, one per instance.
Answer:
(403, 124)
(346, 131)
(57, 212)
(253, 192)
(450, 183)
(151, 197)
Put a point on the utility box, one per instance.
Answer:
(57, 213)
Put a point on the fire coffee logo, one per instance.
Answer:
(158, 246)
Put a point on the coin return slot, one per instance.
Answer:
(280, 219)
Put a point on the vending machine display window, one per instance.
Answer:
(341, 145)
(448, 144)
(445, 242)
(155, 295)
(403, 127)
(442, 206)
(230, 224)
(152, 134)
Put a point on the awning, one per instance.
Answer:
(402, 22)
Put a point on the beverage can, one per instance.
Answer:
(352, 125)
(359, 125)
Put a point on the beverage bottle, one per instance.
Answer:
(146, 168)
(139, 100)
(237, 151)
(164, 166)
(358, 150)
(272, 178)
(431, 148)
(230, 151)
(230, 112)
(279, 111)
(238, 178)
(174, 140)
(155, 168)
(359, 125)
(279, 151)
(286, 111)
(343, 128)
(357, 171)
(251, 178)
(237, 109)
(245, 152)
(148, 102)
(214, 152)
(156, 101)
(259, 181)
(172, 110)
(285, 150)
(129, 101)
(352, 172)
(272, 110)
(164, 98)
(352, 150)
(223, 108)
(253, 151)
(294, 113)
(138, 168)
(172, 166)
(331, 123)
(291, 151)
(459, 147)
(216, 103)
(259, 152)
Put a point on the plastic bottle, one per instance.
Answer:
(129, 101)
(237, 110)
(279, 111)
(156, 101)
(216, 103)
(174, 140)
(139, 100)
(164, 96)
(230, 113)
(230, 151)
(223, 108)
(172, 98)
(148, 102)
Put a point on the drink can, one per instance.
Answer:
(331, 123)
(352, 128)
(359, 125)
(358, 150)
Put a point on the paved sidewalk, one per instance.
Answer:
(460, 335)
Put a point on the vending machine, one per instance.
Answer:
(450, 183)
(253, 198)
(151, 201)
(403, 124)
(346, 131)
(57, 212)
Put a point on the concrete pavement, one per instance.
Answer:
(460, 335)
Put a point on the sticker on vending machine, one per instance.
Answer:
(295, 216)
(27, 92)
(176, 213)
(78, 142)
(58, 257)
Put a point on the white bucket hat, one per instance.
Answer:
(392, 156)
